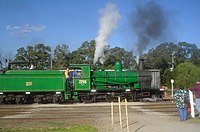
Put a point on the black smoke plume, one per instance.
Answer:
(149, 22)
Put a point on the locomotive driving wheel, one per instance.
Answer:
(1, 99)
(110, 98)
(88, 99)
(18, 100)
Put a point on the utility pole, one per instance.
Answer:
(171, 69)
(51, 60)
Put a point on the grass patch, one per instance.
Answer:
(73, 128)
(195, 120)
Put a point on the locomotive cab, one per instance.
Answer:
(79, 77)
(79, 81)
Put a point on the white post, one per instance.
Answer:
(126, 107)
(112, 119)
(191, 104)
(172, 86)
(120, 113)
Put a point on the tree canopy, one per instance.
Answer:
(39, 55)
(61, 57)
(179, 61)
(186, 74)
(168, 56)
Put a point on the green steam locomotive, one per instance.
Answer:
(78, 83)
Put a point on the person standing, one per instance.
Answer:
(181, 99)
(67, 73)
(196, 90)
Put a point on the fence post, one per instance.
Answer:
(126, 107)
(191, 104)
(112, 118)
(120, 113)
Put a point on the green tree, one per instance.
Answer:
(42, 55)
(30, 53)
(61, 57)
(191, 52)
(186, 74)
(39, 55)
(119, 54)
(21, 55)
(161, 58)
(84, 54)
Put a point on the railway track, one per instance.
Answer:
(43, 116)
(77, 111)
(162, 108)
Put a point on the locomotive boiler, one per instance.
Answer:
(109, 84)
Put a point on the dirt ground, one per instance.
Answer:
(37, 116)
(147, 120)
(157, 122)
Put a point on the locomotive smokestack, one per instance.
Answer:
(141, 64)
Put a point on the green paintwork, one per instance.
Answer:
(118, 66)
(32, 81)
(82, 82)
(103, 80)
(111, 79)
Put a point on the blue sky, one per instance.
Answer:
(71, 22)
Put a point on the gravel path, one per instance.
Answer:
(152, 122)
(141, 120)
